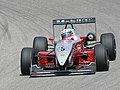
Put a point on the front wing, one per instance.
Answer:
(37, 71)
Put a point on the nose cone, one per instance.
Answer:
(63, 50)
(62, 58)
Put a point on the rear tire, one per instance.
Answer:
(102, 61)
(27, 55)
(40, 44)
(108, 40)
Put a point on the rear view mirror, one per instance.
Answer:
(51, 38)
(82, 37)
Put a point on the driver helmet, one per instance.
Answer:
(67, 33)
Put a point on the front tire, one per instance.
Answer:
(102, 61)
(27, 55)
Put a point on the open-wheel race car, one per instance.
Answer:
(68, 53)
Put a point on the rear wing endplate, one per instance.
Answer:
(74, 21)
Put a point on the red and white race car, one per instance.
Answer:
(69, 54)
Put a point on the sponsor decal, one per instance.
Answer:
(78, 20)
(63, 55)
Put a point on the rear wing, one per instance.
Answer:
(74, 21)
(90, 20)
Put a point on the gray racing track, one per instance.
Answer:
(22, 20)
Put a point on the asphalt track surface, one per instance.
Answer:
(22, 20)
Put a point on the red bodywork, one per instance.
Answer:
(81, 56)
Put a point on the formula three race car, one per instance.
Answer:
(69, 54)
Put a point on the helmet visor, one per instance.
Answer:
(64, 35)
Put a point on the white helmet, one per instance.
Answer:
(67, 33)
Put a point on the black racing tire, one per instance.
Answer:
(108, 40)
(27, 55)
(40, 44)
(102, 60)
